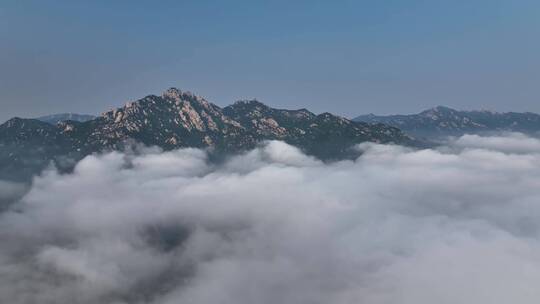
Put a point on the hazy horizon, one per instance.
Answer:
(351, 116)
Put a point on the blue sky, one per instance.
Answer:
(346, 57)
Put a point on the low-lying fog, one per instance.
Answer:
(460, 224)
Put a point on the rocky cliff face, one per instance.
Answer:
(181, 119)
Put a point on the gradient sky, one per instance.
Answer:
(346, 57)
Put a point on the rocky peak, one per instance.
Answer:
(172, 93)
(179, 95)
(68, 125)
(249, 103)
(14, 122)
(330, 116)
(25, 123)
(247, 109)
(439, 110)
(23, 129)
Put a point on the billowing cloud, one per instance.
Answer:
(510, 142)
(456, 225)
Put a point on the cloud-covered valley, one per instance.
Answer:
(456, 224)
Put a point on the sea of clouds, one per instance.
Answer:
(456, 224)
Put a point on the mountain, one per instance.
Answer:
(28, 145)
(178, 119)
(443, 121)
(57, 118)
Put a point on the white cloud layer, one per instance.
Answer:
(276, 226)
(510, 143)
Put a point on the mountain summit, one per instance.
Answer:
(178, 119)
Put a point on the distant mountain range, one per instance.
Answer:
(57, 118)
(180, 119)
(443, 121)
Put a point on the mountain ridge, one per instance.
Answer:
(60, 117)
(443, 121)
(177, 119)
